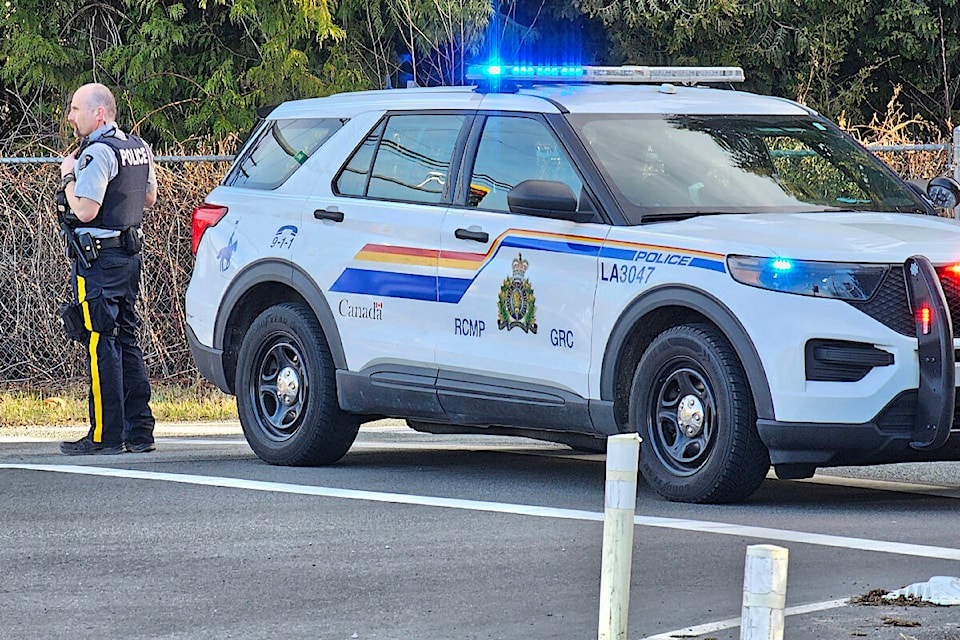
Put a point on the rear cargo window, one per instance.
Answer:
(281, 147)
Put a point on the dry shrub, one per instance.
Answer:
(36, 274)
(893, 128)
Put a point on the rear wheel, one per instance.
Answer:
(692, 406)
(286, 391)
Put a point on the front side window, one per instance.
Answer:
(279, 150)
(670, 165)
(407, 159)
(514, 149)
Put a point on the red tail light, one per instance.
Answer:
(924, 316)
(203, 218)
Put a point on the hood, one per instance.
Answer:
(832, 236)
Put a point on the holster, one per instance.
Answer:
(132, 239)
(87, 246)
(71, 317)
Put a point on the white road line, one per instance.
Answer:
(701, 526)
(801, 537)
(730, 623)
(939, 491)
(546, 450)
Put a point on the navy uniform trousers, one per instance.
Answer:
(119, 388)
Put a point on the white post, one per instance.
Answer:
(764, 593)
(620, 504)
(955, 161)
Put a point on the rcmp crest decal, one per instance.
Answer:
(516, 304)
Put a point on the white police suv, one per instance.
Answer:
(578, 252)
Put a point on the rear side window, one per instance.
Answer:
(281, 147)
(407, 159)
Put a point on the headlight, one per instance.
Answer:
(806, 278)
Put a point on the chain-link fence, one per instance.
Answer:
(35, 273)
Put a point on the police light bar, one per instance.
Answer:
(625, 74)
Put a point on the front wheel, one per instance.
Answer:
(286, 391)
(691, 404)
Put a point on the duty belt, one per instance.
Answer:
(108, 243)
(86, 248)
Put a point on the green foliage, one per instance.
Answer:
(191, 71)
(183, 72)
(842, 58)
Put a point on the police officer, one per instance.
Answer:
(107, 182)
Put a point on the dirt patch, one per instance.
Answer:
(876, 598)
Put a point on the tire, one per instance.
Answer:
(691, 403)
(286, 391)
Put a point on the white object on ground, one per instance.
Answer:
(943, 590)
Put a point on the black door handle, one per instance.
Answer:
(330, 213)
(467, 234)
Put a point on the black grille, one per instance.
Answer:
(951, 289)
(889, 304)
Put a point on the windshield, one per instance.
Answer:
(674, 166)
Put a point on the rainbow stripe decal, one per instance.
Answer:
(433, 288)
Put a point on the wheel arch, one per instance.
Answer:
(657, 310)
(257, 287)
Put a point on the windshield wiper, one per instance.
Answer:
(682, 215)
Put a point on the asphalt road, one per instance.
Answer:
(421, 536)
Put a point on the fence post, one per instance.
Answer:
(764, 593)
(955, 162)
(620, 504)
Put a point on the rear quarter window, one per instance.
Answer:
(279, 149)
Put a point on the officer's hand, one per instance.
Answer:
(67, 164)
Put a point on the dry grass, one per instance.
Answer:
(67, 405)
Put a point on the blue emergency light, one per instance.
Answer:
(625, 74)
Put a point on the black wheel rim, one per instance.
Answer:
(683, 417)
(279, 387)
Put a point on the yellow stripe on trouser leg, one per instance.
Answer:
(94, 369)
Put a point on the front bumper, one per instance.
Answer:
(887, 438)
(917, 425)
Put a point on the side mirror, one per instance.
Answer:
(546, 199)
(944, 192)
(919, 186)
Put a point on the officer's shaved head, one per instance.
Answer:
(95, 95)
(92, 106)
